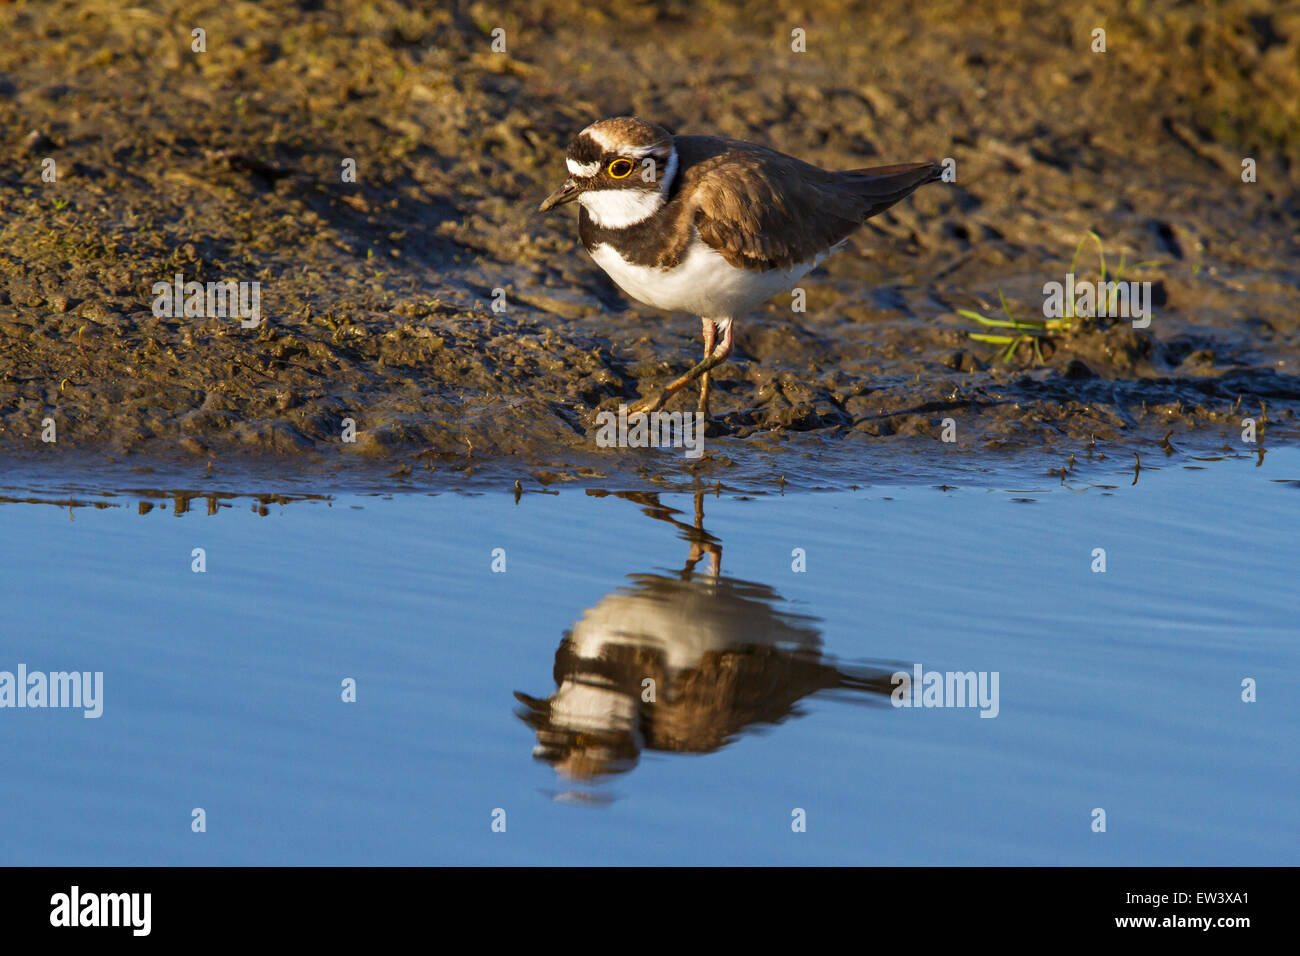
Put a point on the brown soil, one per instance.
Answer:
(377, 296)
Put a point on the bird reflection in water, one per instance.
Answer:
(680, 663)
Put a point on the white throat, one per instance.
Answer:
(619, 208)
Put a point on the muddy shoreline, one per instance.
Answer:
(377, 295)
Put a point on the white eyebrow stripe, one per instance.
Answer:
(641, 152)
(585, 170)
(597, 136)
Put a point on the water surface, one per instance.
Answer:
(522, 691)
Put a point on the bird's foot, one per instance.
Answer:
(651, 403)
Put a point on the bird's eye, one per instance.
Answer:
(621, 168)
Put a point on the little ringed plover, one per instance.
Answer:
(713, 226)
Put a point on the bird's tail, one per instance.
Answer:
(882, 186)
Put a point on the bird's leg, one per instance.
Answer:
(701, 543)
(715, 358)
(710, 336)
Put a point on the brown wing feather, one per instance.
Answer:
(762, 209)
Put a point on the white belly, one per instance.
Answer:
(703, 283)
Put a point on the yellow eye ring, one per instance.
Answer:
(626, 165)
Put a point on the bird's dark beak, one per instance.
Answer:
(566, 193)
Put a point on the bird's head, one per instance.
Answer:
(620, 170)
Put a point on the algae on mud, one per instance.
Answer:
(377, 295)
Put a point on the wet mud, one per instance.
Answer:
(377, 296)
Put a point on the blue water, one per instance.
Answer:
(222, 690)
